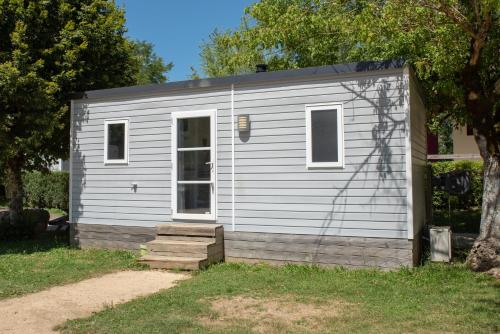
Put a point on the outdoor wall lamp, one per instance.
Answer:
(243, 123)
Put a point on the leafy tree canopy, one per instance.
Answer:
(49, 50)
(151, 67)
(452, 44)
(299, 33)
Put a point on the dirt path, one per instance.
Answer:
(40, 312)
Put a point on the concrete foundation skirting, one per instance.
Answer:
(274, 248)
(279, 248)
(110, 236)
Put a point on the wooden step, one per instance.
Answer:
(185, 246)
(196, 230)
(174, 262)
(177, 246)
(186, 238)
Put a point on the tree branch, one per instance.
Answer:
(477, 11)
(452, 13)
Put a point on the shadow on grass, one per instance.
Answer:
(30, 246)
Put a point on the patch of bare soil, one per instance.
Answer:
(273, 315)
(40, 312)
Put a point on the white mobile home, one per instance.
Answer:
(323, 165)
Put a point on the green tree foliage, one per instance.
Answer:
(151, 67)
(228, 53)
(48, 51)
(284, 34)
(46, 190)
(452, 44)
(300, 33)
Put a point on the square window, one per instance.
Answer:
(324, 136)
(116, 141)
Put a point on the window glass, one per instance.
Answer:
(324, 136)
(116, 141)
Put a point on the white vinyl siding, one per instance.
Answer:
(275, 192)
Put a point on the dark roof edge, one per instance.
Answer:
(364, 66)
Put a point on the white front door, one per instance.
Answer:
(193, 165)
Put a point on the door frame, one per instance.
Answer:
(212, 113)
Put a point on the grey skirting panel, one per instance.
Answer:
(274, 248)
(279, 248)
(110, 236)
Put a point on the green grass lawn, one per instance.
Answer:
(31, 266)
(56, 212)
(233, 298)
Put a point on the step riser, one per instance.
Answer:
(187, 230)
(201, 249)
(184, 238)
(176, 265)
(188, 249)
(213, 256)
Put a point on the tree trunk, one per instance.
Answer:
(485, 253)
(14, 187)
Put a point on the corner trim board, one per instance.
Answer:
(408, 155)
(71, 138)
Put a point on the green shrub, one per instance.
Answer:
(468, 201)
(47, 190)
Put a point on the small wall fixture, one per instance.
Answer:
(243, 123)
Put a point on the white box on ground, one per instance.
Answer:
(440, 243)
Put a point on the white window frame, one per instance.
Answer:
(212, 113)
(340, 136)
(107, 161)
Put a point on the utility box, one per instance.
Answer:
(440, 237)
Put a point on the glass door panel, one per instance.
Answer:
(193, 198)
(193, 165)
(193, 132)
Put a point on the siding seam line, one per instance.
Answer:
(409, 179)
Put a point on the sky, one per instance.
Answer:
(177, 28)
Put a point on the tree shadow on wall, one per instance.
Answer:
(387, 100)
(79, 118)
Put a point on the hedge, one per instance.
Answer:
(468, 201)
(47, 190)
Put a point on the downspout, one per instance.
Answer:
(232, 159)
